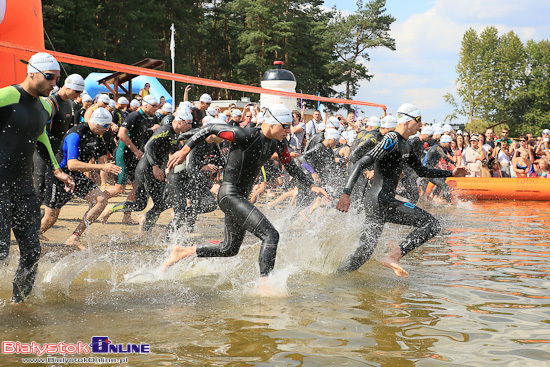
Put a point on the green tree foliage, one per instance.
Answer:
(229, 40)
(502, 80)
(354, 35)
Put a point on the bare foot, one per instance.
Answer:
(266, 289)
(41, 237)
(74, 241)
(392, 261)
(127, 219)
(179, 253)
(104, 217)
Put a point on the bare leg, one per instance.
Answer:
(97, 202)
(49, 219)
(127, 217)
(392, 261)
(179, 253)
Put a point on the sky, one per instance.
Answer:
(428, 35)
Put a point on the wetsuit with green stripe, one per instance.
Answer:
(23, 120)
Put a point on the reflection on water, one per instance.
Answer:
(477, 295)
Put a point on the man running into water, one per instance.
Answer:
(23, 119)
(388, 158)
(80, 144)
(250, 149)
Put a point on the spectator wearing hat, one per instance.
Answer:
(81, 144)
(134, 132)
(200, 111)
(473, 157)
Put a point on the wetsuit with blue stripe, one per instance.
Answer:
(388, 158)
(23, 120)
(249, 150)
(82, 144)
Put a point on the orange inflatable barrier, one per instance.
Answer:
(488, 188)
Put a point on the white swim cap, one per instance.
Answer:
(150, 99)
(446, 139)
(123, 100)
(101, 117)
(332, 134)
(427, 130)
(278, 114)
(447, 128)
(439, 131)
(112, 103)
(75, 82)
(373, 121)
(42, 62)
(135, 103)
(407, 112)
(167, 107)
(86, 98)
(333, 122)
(184, 115)
(206, 98)
(103, 98)
(213, 121)
(388, 122)
(260, 117)
(211, 111)
(321, 126)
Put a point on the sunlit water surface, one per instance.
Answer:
(477, 295)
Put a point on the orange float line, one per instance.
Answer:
(108, 65)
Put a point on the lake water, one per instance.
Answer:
(477, 295)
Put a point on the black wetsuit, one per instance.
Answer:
(249, 151)
(365, 141)
(315, 139)
(139, 131)
(198, 115)
(156, 151)
(409, 181)
(188, 182)
(23, 120)
(167, 120)
(432, 158)
(119, 116)
(82, 144)
(64, 113)
(381, 206)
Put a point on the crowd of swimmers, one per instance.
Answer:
(196, 158)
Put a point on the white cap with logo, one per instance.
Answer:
(206, 98)
(75, 82)
(101, 117)
(42, 62)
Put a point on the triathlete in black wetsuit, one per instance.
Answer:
(64, 110)
(249, 150)
(81, 144)
(133, 134)
(193, 181)
(23, 119)
(388, 158)
(150, 180)
(434, 155)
